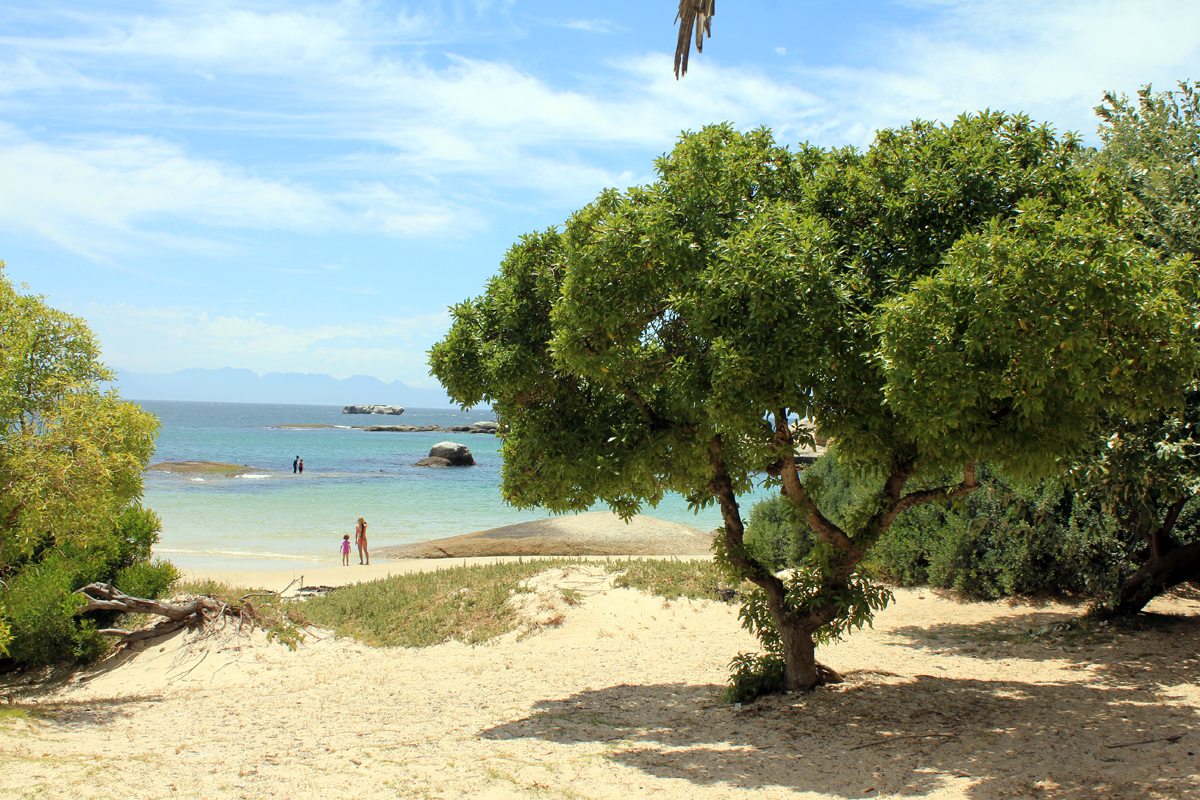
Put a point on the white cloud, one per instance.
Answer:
(1051, 60)
(100, 196)
(592, 25)
(412, 142)
(149, 339)
(456, 137)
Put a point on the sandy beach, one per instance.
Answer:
(618, 697)
(621, 700)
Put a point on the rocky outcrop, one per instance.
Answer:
(478, 427)
(457, 454)
(394, 410)
(433, 462)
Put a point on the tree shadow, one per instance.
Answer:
(75, 715)
(880, 734)
(1149, 650)
(31, 691)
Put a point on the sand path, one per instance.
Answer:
(620, 701)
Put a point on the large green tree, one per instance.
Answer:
(1146, 471)
(71, 461)
(952, 294)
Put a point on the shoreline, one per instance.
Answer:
(592, 535)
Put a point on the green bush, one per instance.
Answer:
(1003, 539)
(147, 579)
(773, 535)
(39, 604)
(753, 675)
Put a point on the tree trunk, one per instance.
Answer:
(1168, 566)
(1160, 573)
(802, 672)
(799, 656)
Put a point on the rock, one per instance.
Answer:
(402, 428)
(484, 426)
(426, 429)
(433, 461)
(395, 410)
(457, 454)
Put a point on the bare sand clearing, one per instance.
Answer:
(617, 697)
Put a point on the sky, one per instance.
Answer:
(308, 187)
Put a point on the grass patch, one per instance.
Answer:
(670, 579)
(467, 604)
(11, 712)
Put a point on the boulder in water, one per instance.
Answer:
(433, 462)
(457, 454)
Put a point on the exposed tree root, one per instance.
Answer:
(193, 614)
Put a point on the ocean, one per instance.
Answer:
(261, 519)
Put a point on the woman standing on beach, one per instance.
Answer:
(360, 538)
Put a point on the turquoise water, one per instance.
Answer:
(273, 514)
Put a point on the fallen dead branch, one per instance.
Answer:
(891, 739)
(195, 613)
(1174, 738)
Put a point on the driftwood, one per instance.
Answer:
(195, 613)
(891, 739)
(1174, 738)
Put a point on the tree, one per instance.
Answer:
(71, 461)
(954, 293)
(1146, 471)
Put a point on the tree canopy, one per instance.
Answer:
(1145, 471)
(954, 293)
(71, 461)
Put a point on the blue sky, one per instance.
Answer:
(307, 186)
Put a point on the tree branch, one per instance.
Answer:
(722, 487)
(794, 489)
(1164, 531)
(923, 496)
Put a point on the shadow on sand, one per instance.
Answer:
(880, 734)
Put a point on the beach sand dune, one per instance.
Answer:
(596, 533)
(618, 697)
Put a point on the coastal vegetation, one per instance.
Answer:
(955, 296)
(71, 461)
(469, 604)
(1006, 539)
(672, 579)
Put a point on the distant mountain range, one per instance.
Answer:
(230, 385)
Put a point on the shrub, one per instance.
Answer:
(40, 603)
(774, 534)
(1003, 539)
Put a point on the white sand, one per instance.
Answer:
(620, 700)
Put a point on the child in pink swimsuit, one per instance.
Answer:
(346, 550)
